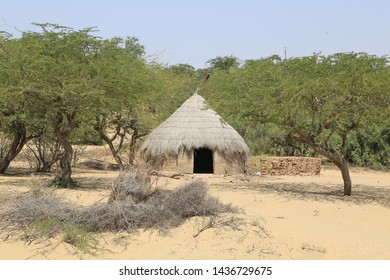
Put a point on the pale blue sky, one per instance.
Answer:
(195, 31)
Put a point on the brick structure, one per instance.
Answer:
(284, 165)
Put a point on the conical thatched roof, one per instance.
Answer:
(193, 126)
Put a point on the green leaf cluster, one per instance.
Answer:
(322, 100)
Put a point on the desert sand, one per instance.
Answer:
(284, 217)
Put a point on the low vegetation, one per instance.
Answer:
(133, 204)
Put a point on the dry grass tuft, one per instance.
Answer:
(143, 208)
(35, 214)
(133, 205)
(133, 185)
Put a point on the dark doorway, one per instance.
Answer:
(203, 161)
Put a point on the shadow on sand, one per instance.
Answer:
(361, 194)
(87, 179)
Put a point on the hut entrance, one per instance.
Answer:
(203, 161)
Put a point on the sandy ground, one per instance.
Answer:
(284, 218)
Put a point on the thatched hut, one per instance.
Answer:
(195, 139)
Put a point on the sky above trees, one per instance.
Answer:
(193, 32)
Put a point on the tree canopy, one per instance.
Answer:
(317, 100)
(223, 62)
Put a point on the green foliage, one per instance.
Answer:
(183, 68)
(223, 62)
(77, 87)
(39, 229)
(133, 46)
(82, 240)
(84, 134)
(169, 90)
(66, 79)
(21, 110)
(72, 82)
(317, 100)
(370, 148)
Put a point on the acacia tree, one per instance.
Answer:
(54, 73)
(82, 81)
(135, 96)
(317, 100)
(125, 79)
(21, 110)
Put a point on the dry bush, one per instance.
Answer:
(135, 185)
(133, 205)
(114, 216)
(137, 206)
(36, 214)
(192, 199)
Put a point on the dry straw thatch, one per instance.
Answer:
(193, 125)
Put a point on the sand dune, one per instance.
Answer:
(301, 217)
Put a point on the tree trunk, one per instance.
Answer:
(16, 146)
(105, 138)
(339, 161)
(132, 149)
(134, 138)
(114, 152)
(62, 133)
(65, 159)
(343, 166)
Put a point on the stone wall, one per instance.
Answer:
(284, 165)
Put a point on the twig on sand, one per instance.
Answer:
(313, 248)
(213, 222)
(172, 176)
(207, 226)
